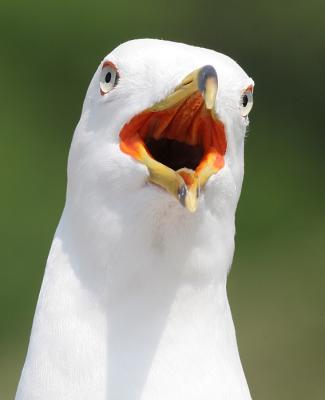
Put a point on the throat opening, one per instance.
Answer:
(175, 154)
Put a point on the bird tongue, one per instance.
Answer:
(188, 175)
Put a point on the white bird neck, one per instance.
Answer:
(115, 323)
(166, 308)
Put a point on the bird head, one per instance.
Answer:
(165, 121)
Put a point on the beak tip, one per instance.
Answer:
(208, 85)
(191, 202)
(206, 73)
(209, 105)
(192, 210)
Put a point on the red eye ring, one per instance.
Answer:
(246, 101)
(108, 78)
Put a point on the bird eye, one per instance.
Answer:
(108, 78)
(246, 102)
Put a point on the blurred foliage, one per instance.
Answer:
(49, 51)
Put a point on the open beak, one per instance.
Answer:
(180, 139)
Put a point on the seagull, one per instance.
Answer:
(133, 304)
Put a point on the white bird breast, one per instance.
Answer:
(134, 283)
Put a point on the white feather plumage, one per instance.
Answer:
(133, 305)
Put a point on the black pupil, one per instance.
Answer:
(108, 77)
(245, 100)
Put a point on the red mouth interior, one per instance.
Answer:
(183, 136)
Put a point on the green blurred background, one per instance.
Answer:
(49, 51)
